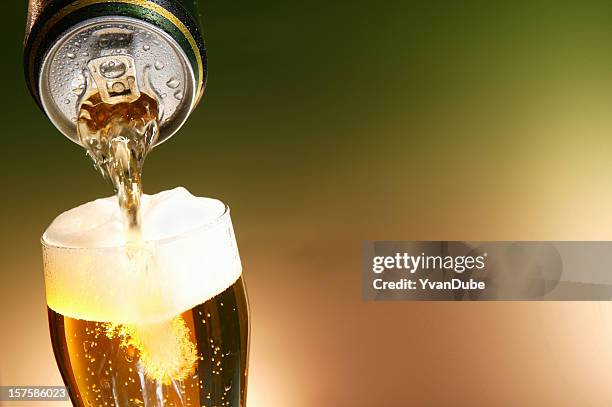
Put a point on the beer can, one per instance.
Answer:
(122, 47)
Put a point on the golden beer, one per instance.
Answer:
(102, 369)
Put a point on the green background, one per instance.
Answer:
(328, 123)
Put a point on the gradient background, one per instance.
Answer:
(328, 123)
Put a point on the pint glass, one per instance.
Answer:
(166, 324)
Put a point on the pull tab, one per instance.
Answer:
(115, 78)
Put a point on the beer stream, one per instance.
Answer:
(118, 138)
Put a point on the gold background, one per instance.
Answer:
(328, 123)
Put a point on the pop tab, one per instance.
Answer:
(115, 78)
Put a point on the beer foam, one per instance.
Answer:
(189, 255)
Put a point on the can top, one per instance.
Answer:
(120, 57)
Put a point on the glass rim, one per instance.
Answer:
(224, 216)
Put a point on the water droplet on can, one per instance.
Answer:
(178, 94)
(173, 83)
(159, 65)
(77, 86)
(118, 87)
(67, 101)
(146, 47)
(112, 69)
(70, 55)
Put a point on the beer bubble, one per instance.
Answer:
(130, 351)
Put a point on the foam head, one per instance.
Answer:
(188, 256)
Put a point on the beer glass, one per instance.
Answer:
(162, 325)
